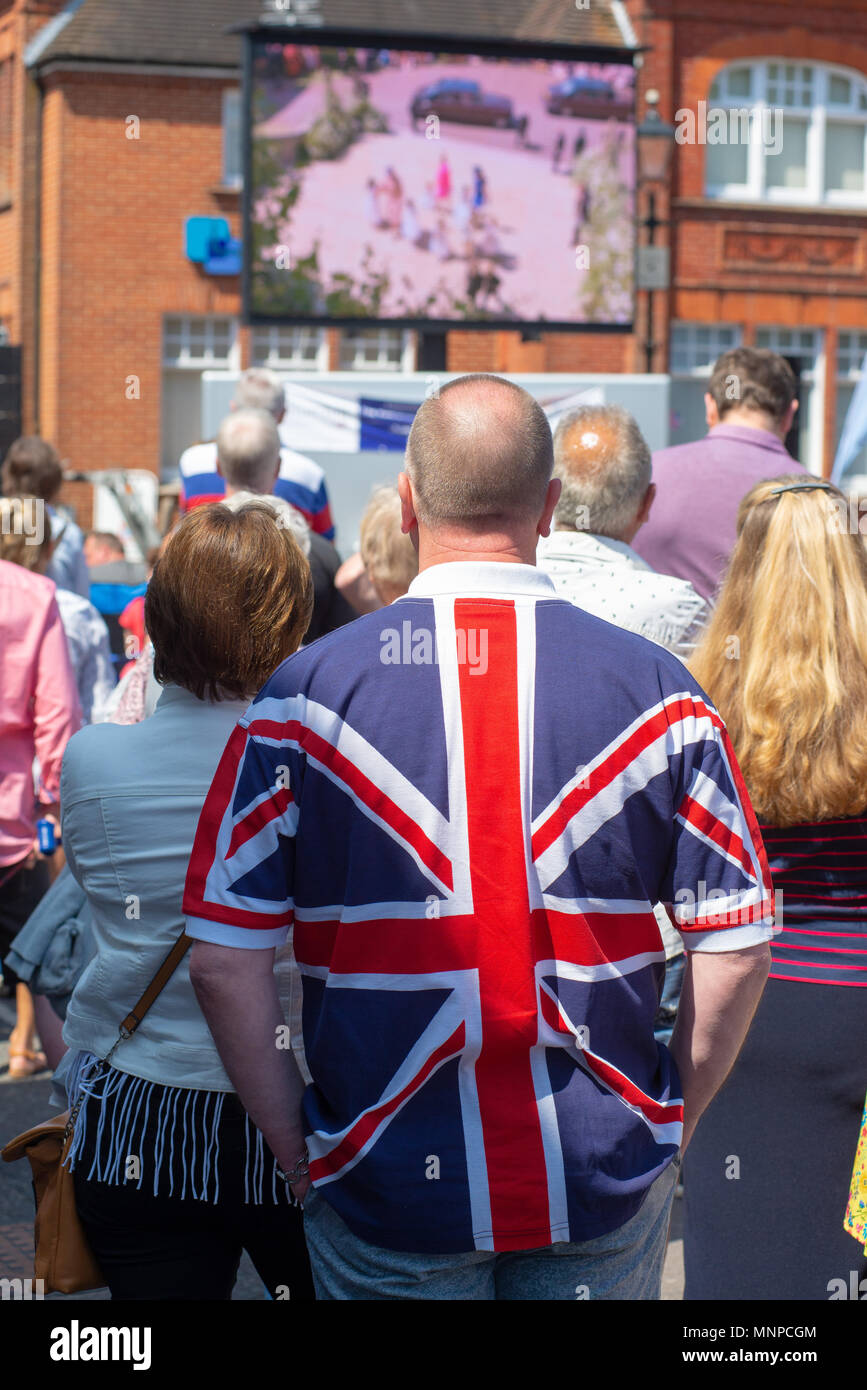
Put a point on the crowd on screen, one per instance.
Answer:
(521, 856)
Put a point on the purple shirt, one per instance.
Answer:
(699, 486)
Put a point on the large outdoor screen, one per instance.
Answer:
(416, 187)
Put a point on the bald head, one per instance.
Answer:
(248, 451)
(479, 451)
(603, 462)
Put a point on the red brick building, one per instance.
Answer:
(119, 121)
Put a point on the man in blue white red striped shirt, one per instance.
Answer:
(300, 481)
(465, 806)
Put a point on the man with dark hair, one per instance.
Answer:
(102, 548)
(468, 850)
(32, 468)
(750, 406)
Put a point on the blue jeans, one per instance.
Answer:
(625, 1264)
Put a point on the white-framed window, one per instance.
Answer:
(693, 350)
(191, 344)
(805, 346)
(795, 132)
(377, 350)
(851, 350)
(233, 163)
(695, 347)
(197, 342)
(297, 348)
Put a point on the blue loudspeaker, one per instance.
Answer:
(204, 236)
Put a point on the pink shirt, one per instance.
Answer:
(39, 709)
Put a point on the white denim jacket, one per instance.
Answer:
(131, 797)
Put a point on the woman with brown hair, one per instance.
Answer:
(784, 658)
(172, 1180)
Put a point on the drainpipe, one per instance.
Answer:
(37, 260)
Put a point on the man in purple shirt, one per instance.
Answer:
(750, 407)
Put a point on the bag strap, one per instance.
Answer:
(157, 984)
(159, 981)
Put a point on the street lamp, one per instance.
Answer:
(655, 144)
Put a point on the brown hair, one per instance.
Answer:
(755, 379)
(32, 466)
(229, 599)
(107, 538)
(784, 656)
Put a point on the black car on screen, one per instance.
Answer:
(453, 99)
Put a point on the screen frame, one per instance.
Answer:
(323, 37)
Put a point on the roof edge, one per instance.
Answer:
(49, 32)
(624, 23)
(138, 66)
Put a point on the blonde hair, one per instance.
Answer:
(784, 656)
(25, 533)
(386, 553)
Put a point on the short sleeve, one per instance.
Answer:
(717, 886)
(239, 888)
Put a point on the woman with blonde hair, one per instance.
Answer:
(784, 658)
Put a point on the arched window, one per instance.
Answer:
(783, 132)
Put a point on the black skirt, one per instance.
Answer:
(171, 1186)
(767, 1174)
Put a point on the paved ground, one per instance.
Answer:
(22, 1104)
(25, 1103)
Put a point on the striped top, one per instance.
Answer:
(820, 882)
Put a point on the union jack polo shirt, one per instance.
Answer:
(466, 806)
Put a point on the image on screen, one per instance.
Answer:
(394, 185)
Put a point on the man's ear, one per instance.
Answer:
(219, 469)
(408, 518)
(711, 412)
(552, 497)
(647, 503)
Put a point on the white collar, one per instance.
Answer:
(495, 578)
(587, 543)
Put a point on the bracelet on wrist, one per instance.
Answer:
(300, 1170)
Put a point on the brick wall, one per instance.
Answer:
(747, 264)
(113, 256)
(113, 211)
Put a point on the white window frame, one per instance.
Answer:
(688, 362)
(186, 358)
(387, 340)
(817, 115)
(269, 347)
(851, 349)
(852, 353)
(232, 175)
(722, 338)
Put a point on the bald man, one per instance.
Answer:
(248, 461)
(603, 464)
(464, 806)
